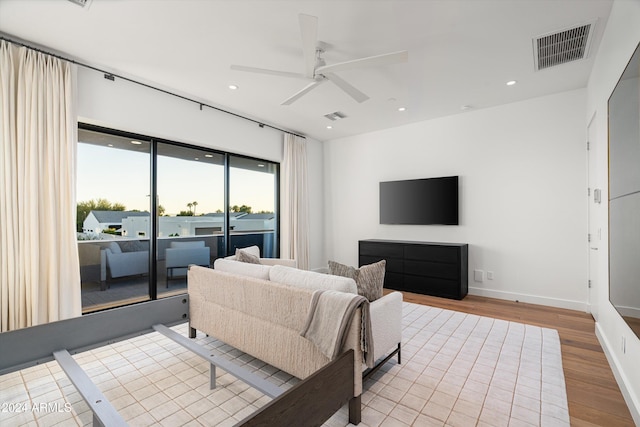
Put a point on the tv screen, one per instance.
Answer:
(420, 201)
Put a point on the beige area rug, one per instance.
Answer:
(457, 370)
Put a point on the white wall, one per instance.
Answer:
(522, 171)
(619, 41)
(130, 107)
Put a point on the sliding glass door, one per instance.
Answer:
(190, 197)
(147, 209)
(113, 221)
(252, 205)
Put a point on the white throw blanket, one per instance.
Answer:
(330, 315)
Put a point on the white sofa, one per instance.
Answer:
(180, 255)
(261, 309)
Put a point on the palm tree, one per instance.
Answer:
(194, 204)
(189, 205)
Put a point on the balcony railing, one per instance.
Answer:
(111, 280)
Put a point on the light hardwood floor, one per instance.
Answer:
(593, 394)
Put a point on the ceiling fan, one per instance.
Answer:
(316, 69)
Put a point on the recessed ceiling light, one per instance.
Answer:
(329, 127)
(208, 155)
(196, 158)
(511, 82)
(136, 142)
(402, 109)
(233, 87)
(110, 145)
(260, 165)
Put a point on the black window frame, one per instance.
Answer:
(153, 261)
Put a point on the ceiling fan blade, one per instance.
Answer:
(309, 33)
(266, 71)
(370, 61)
(302, 92)
(347, 87)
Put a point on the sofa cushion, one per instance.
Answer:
(311, 280)
(369, 278)
(258, 271)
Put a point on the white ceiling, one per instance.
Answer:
(461, 52)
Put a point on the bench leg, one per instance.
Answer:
(212, 376)
(355, 410)
(192, 332)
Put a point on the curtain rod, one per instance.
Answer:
(111, 76)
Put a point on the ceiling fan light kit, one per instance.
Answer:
(318, 71)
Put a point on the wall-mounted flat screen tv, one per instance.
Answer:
(420, 201)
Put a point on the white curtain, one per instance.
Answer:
(294, 215)
(39, 267)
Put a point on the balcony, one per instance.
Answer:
(110, 278)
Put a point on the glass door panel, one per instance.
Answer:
(253, 216)
(113, 219)
(190, 186)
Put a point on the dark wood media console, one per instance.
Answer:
(430, 268)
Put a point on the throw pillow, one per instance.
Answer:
(253, 250)
(369, 278)
(337, 269)
(244, 256)
(132, 246)
(115, 247)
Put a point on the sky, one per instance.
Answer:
(123, 177)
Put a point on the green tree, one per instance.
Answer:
(185, 213)
(83, 209)
(161, 210)
(243, 208)
(194, 204)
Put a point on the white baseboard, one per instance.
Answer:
(630, 399)
(531, 299)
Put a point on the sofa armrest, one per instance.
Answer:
(386, 323)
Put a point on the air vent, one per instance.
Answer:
(335, 116)
(563, 46)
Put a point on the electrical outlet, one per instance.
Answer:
(490, 275)
(478, 275)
